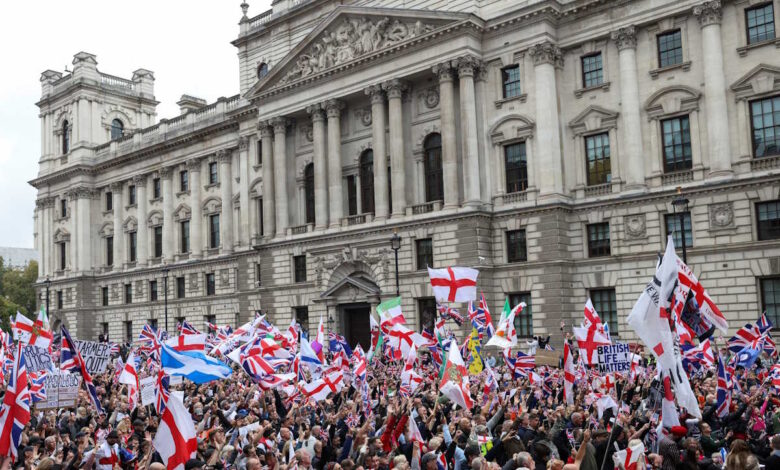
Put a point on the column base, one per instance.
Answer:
(721, 174)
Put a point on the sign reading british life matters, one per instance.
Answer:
(96, 355)
(37, 359)
(62, 390)
(614, 358)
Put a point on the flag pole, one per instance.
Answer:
(612, 431)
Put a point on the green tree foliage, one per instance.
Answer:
(17, 291)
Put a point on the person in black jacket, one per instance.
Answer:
(773, 462)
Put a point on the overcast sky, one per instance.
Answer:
(186, 45)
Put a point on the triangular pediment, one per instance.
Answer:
(762, 78)
(593, 118)
(350, 36)
(357, 284)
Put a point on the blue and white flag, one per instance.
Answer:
(193, 365)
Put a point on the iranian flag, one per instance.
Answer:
(455, 381)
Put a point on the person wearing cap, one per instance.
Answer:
(669, 449)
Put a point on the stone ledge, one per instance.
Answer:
(684, 66)
(744, 50)
(602, 86)
(521, 98)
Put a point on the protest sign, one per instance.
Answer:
(547, 358)
(614, 358)
(148, 391)
(62, 390)
(96, 355)
(37, 359)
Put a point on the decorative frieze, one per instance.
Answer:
(721, 215)
(635, 226)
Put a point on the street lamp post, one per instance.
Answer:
(680, 204)
(48, 284)
(165, 271)
(395, 243)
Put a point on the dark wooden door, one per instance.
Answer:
(358, 325)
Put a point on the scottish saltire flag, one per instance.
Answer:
(15, 412)
(71, 361)
(307, 354)
(724, 390)
(195, 366)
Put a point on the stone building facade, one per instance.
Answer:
(541, 142)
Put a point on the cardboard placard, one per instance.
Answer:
(37, 359)
(148, 390)
(96, 355)
(547, 358)
(62, 390)
(614, 358)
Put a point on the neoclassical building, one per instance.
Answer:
(541, 142)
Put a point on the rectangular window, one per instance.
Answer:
(59, 300)
(516, 167)
(524, 320)
(129, 331)
(670, 49)
(212, 319)
(211, 284)
(104, 296)
(592, 70)
(153, 323)
(351, 195)
(760, 22)
(109, 201)
(510, 79)
(133, 245)
(677, 144)
(427, 309)
(184, 180)
(515, 246)
(128, 293)
(214, 231)
(104, 327)
(302, 317)
(158, 242)
(63, 207)
(213, 173)
(109, 251)
(606, 306)
(180, 288)
(765, 124)
(299, 268)
(156, 191)
(258, 278)
(259, 159)
(153, 295)
(598, 159)
(768, 220)
(63, 253)
(598, 240)
(131, 195)
(424, 250)
(260, 216)
(673, 228)
(770, 299)
(185, 236)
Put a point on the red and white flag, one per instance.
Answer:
(454, 284)
(319, 390)
(414, 432)
(455, 381)
(630, 458)
(129, 377)
(188, 342)
(568, 374)
(706, 305)
(175, 441)
(588, 341)
(401, 339)
(34, 333)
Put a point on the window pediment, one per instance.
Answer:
(510, 128)
(155, 218)
(672, 100)
(61, 235)
(761, 79)
(131, 224)
(593, 118)
(182, 213)
(212, 205)
(107, 230)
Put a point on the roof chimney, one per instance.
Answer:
(189, 103)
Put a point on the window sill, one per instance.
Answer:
(183, 193)
(677, 177)
(131, 206)
(212, 251)
(111, 212)
(211, 185)
(521, 98)
(769, 162)
(62, 219)
(257, 167)
(684, 66)
(602, 86)
(743, 51)
(517, 261)
(155, 199)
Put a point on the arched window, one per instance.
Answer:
(367, 180)
(262, 70)
(308, 189)
(117, 129)
(65, 137)
(434, 183)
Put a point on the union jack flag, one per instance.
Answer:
(38, 386)
(8, 357)
(521, 364)
(114, 348)
(724, 390)
(774, 374)
(162, 392)
(15, 412)
(71, 361)
(150, 340)
(763, 323)
(360, 363)
(186, 329)
(338, 343)
(448, 312)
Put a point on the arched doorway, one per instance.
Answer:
(350, 299)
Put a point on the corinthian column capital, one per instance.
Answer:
(546, 53)
(708, 13)
(316, 111)
(376, 94)
(625, 38)
(279, 124)
(333, 108)
(444, 71)
(467, 65)
(394, 88)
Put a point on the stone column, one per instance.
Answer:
(243, 192)
(40, 246)
(449, 148)
(280, 174)
(709, 14)
(225, 158)
(84, 216)
(142, 234)
(119, 232)
(196, 214)
(48, 230)
(269, 208)
(379, 142)
(633, 154)
(468, 127)
(321, 166)
(168, 231)
(547, 56)
(74, 230)
(335, 193)
(394, 89)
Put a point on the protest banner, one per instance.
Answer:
(614, 358)
(37, 359)
(547, 358)
(148, 391)
(96, 355)
(62, 390)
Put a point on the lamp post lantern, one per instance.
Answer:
(395, 243)
(165, 271)
(47, 282)
(680, 204)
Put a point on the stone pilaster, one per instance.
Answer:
(468, 125)
(321, 165)
(269, 205)
(395, 89)
(335, 193)
(379, 142)
(243, 192)
(119, 232)
(168, 232)
(280, 174)
(84, 197)
(142, 235)
(196, 215)
(225, 158)
(449, 148)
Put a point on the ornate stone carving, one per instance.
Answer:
(223, 156)
(394, 88)
(625, 38)
(721, 215)
(316, 111)
(352, 38)
(165, 172)
(116, 186)
(139, 180)
(546, 53)
(333, 108)
(467, 65)
(280, 125)
(266, 129)
(443, 71)
(430, 97)
(307, 132)
(708, 13)
(364, 116)
(376, 93)
(635, 226)
(193, 164)
(243, 143)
